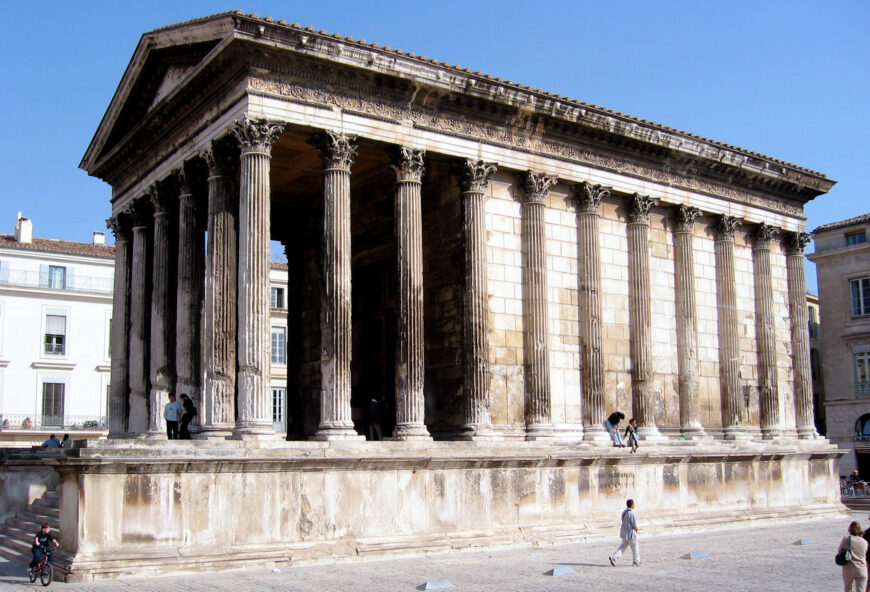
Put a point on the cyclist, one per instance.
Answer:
(42, 543)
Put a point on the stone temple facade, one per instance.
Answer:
(503, 265)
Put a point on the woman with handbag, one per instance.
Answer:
(855, 566)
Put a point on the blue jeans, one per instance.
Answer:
(614, 433)
(37, 555)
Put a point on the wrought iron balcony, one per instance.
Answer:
(52, 422)
(44, 280)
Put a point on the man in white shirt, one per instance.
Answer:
(172, 413)
(628, 534)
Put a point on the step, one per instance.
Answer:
(38, 510)
(52, 495)
(31, 526)
(44, 502)
(13, 532)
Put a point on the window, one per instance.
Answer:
(862, 373)
(4, 272)
(52, 404)
(278, 416)
(856, 238)
(56, 277)
(277, 297)
(55, 334)
(278, 345)
(860, 296)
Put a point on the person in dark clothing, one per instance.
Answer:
(374, 419)
(43, 540)
(631, 434)
(611, 424)
(187, 417)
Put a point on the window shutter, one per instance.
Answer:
(69, 281)
(55, 325)
(4, 272)
(43, 276)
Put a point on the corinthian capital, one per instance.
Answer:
(139, 211)
(120, 225)
(183, 181)
(337, 151)
(763, 235)
(589, 197)
(638, 208)
(536, 186)
(158, 199)
(684, 217)
(408, 163)
(221, 159)
(256, 135)
(725, 227)
(796, 242)
(474, 175)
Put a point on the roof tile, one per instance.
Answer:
(59, 246)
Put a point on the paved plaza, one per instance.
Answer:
(760, 558)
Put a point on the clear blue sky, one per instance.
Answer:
(787, 79)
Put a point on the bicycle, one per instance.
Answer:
(43, 569)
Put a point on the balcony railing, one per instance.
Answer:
(54, 348)
(67, 422)
(862, 389)
(71, 283)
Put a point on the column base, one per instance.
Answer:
(771, 433)
(157, 436)
(808, 434)
(540, 431)
(651, 434)
(254, 430)
(477, 433)
(596, 434)
(736, 433)
(338, 431)
(214, 433)
(411, 431)
(694, 433)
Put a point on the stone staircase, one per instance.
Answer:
(16, 534)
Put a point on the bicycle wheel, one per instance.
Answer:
(47, 573)
(33, 573)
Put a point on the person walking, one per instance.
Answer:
(611, 424)
(628, 534)
(187, 417)
(855, 571)
(172, 412)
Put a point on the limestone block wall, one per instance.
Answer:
(664, 328)
(746, 332)
(708, 324)
(782, 318)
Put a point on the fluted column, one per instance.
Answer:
(137, 422)
(188, 294)
(729, 350)
(162, 323)
(536, 349)
(337, 152)
(800, 338)
(768, 395)
(588, 199)
(410, 405)
(254, 403)
(219, 295)
(473, 177)
(118, 401)
(687, 321)
(640, 317)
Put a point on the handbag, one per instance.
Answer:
(844, 556)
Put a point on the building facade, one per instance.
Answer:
(55, 314)
(842, 258)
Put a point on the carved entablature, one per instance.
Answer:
(589, 196)
(684, 218)
(474, 175)
(256, 135)
(536, 186)
(638, 208)
(336, 150)
(796, 242)
(408, 164)
(725, 227)
(120, 224)
(763, 235)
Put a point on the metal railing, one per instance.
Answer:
(70, 283)
(47, 422)
(862, 389)
(54, 348)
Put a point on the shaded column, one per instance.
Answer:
(536, 350)
(687, 320)
(162, 321)
(188, 294)
(120, 224)
(589, 198)
(410, 404)
(337, 152)
(254, 402)
(219, 318)
(729, 350)
(768, 395)
(473, 178)
(137, 419)
(800, 338)
(640, 316)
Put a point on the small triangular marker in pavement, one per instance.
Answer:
(805, 542)
(560, 571)
(435, 585)
(695, 555)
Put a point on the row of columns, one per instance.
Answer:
(235, 297)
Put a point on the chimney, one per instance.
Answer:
(23, 230)
(99, 238)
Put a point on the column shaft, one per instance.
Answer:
(410, 404)
(219, 298)
(162, 323)
(118, 392)
(800, 338)
(768, 395)
(729, 351)
(254, 404)
(337, 152)
(137, 422)
(589, 198)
